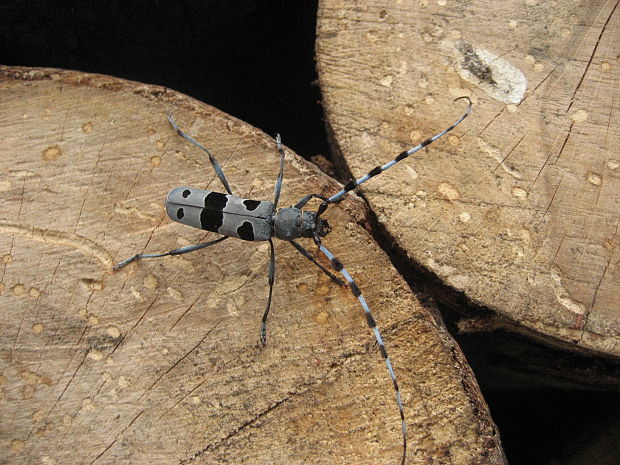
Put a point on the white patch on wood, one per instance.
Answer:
(34, 293)
(231, 307)
(454, 141)
(448, 191)
(150, 282)
(52, 153)
(518, 250)
(525, 235)
(415, 136)
(579, 116)
(366, 140)
(155, 161)
(95, 355)
(321, 317)
(449, 273)
(135, 292)
(123, 382)
(18, 289)
(386, 81)
(494, 75)
(174, 293)
(564, 299)
(594, 179)
(113, 331)
(88, 404)
(465, 217)
(413, 174)
(404, 67)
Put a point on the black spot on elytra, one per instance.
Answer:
(186, 193)
(246, 231)
(216, 201)
(211, 220)
(180, 213)
(251, 205)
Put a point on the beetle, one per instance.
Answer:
(262, 220)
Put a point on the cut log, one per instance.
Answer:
(519, 207)
(160, 362)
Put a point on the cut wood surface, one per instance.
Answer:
(160, 363)
(519, 207)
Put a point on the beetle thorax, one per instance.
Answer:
(291, 223)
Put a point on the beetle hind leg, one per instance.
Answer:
(179, 251)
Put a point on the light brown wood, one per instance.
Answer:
(519, 208)
(159, 363)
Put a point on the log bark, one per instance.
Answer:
(519, 207)
(160, 362)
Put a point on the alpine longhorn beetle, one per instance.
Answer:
(261, 220)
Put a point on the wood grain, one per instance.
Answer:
(160, 362)
(519, 208)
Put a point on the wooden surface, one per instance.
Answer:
(519, 208)
(159, 363)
